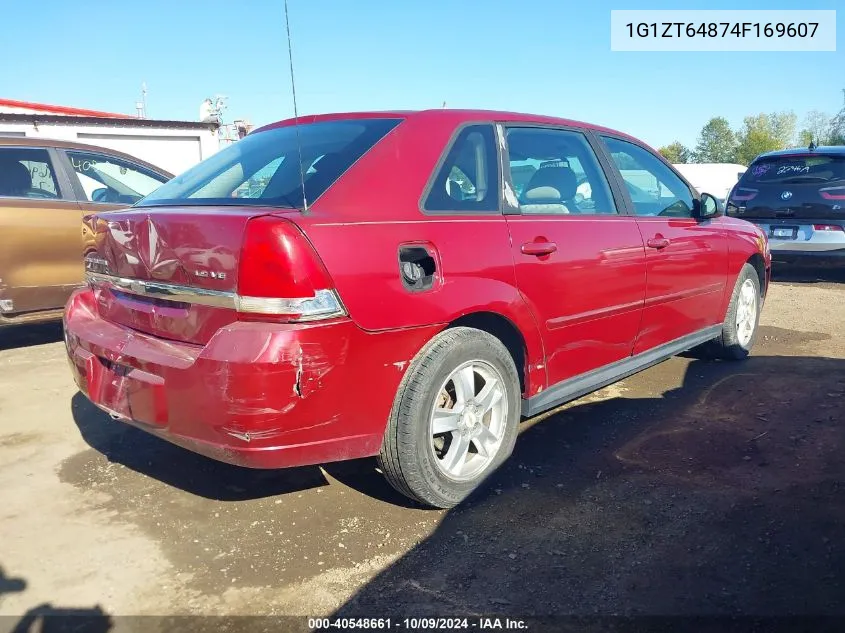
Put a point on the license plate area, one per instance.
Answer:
(784, 232)
(127, 393)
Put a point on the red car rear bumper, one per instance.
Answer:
(258, 395)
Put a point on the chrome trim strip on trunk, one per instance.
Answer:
(169, 292)
(325, 304)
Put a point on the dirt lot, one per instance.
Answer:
(692, 488)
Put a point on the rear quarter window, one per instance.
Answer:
(468, 179)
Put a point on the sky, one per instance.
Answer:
(540, 56)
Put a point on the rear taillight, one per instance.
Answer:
(742, 194)
(833, 193)
(280, 275)
(827, 227)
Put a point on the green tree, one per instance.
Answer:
(716, 142)
(676, 152)
(817, 127)
(783, 127)
(837, 127)
(758, 134)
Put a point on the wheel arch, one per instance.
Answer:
(512, 338)
(756, 260)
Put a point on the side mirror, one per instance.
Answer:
(99, 195)
(707, 206)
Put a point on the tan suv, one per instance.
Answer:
(47, 187)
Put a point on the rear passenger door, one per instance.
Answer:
(41, 254)
(687, 258)
(579, 260)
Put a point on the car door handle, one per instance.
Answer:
(657, 242)
(538, 248)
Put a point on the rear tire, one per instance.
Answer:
(454, 419)
(739, 330)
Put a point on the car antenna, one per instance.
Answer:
(295, 113)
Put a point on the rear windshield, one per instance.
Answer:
(267, 168)
(795, 169)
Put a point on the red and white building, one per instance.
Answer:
(172, 145)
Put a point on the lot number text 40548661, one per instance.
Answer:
(422, 623)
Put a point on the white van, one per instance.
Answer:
(714, 178)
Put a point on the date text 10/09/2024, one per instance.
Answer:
(416, 624)
(721, 29)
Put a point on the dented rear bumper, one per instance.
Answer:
(259, 395)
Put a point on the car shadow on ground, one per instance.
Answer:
(806, 274)
(199, 475)
(723, 497)
(15, 336)
(180, 468)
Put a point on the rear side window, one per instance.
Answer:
(468, 180)
(795, 169)
(27, 173)
(555, 172)
(267, 168)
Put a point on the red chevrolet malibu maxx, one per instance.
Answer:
(407, 285)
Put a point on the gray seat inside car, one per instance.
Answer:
(548, 191)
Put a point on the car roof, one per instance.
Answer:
(31, 141)
(826, 150)
(452, 115)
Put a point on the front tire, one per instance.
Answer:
(739, 330)
(454, 419)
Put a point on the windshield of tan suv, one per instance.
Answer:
(267, 168)
(807, 168)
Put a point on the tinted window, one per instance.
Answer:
(27, 173)
(267, 168)
(654, 188)
(557, 172)
(107, 179)
(468, 180)
(795, 169)
(257, 183)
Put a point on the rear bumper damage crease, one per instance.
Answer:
(248, 396)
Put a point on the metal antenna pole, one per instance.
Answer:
(295, 112)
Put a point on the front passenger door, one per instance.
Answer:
(686, 258)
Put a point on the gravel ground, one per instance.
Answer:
(692, 488)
